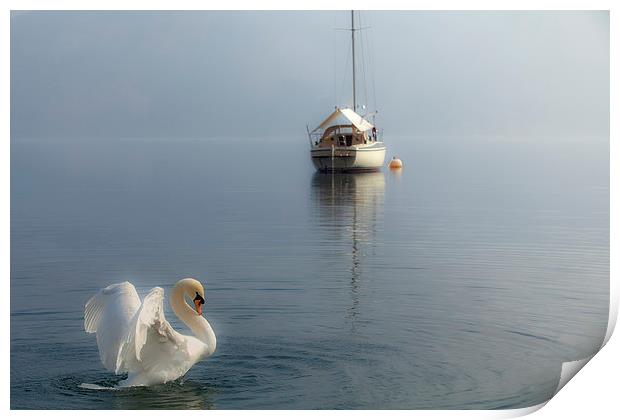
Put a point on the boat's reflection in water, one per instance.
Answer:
(348, 211)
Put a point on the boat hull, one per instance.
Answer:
(349, 159)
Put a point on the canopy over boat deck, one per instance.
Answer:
(347, 114)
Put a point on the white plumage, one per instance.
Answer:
(134, 337)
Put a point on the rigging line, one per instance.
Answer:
(334, 39)
(368, 69)
(346, 65)
(362, 42)
(372, 53)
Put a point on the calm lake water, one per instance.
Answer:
(463, 281)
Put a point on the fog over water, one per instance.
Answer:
(206, 74)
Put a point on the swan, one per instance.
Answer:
(134, 337)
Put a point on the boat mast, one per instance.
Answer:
(353, 56)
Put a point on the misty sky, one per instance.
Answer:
(213, 74)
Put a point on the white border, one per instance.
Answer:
(594, 391)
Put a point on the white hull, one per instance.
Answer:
(367, 157)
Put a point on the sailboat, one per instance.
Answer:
(345, 141)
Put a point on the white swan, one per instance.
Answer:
(135, 338)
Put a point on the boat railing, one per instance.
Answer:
(380, 134)
(315, 136)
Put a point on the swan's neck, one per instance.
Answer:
(199, 326)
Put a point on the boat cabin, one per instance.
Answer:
(342, 136)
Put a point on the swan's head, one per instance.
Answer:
(193, 288)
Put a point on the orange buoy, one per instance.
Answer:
(395, 163)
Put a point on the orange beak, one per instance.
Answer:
(198, 306)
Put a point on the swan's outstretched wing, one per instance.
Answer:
(108, 314)
(151, 345)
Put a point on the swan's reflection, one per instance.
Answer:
(348, 207)
(174, 395)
